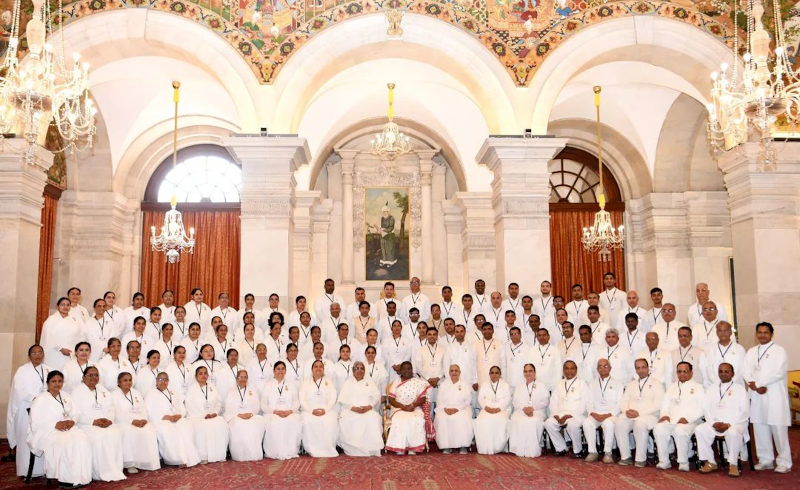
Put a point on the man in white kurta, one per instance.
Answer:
(547, 359)
(695, 312)
(659, 360)
(681, 412)
(597, 325)
(29, 380)
(704, 332)
(415, 299)
(602, 410)
(429, 362)
(407, 396)
(576, 309)
(513, 302)
(686, 352)
(632, 306)
(489, 352)
(726, 410)
(639, 411)
(726, 349)
(667, 328)
(517, 354)
(631, 335)
(568, 409)
(167, 413)
(612, 299)
(322, 305)
(765, 372)
(619, 356)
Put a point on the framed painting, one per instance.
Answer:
(387, 229)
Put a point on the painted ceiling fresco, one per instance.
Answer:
(520, 33)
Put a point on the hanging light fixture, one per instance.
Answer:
(390, 143)
(602, 237)
(42, 89)
(769, 88)
(173, 240)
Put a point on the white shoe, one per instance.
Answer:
(782, 469)
(411, 453)
(463, 450)
(132, 470)
(683, 467)
(664, 466)
(447, 451)
(764, 466)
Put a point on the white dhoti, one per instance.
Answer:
(140, 447)
(246, 438)
(491, 432)
(282, 437)
(361, 434)
(176, 442)
(734, 439)
(641, 427)
(320, 434)
(573, 426)
(765, 435)
(407, 432)
(590, 426)
(210, 438)
(453, 431)
(525, 434)
(681, 433)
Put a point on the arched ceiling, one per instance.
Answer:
(498, 24)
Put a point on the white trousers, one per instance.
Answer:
(734, 438)
(641, 427)
(765, 435)
(573, 425)
(590, 426)
(681, 433)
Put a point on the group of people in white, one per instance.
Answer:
(124, 389)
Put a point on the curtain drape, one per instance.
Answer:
(570, 263)
(47, 240)
(213, 267)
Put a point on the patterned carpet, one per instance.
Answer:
(432, 471)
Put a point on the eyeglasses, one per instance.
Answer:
(709, 309)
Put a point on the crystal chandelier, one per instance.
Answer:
(768, 88)
(602, 237)
(390, 143)
(41, 89)
(173, 240)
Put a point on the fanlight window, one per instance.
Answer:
(572, 182)
(202, 178)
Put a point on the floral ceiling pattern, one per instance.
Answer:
(520, 33)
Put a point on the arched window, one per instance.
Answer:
(203, 174)
(574, 179)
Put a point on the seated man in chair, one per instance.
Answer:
(726, 409)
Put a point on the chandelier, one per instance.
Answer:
(42, 89)
(173, 240)
(602, 237)
(390, 143)
(768, 89)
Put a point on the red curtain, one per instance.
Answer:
(570, 263)
(214, 265)
(47, 240)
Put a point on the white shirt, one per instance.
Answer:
(660, 363)
(767, 366)
(715, 355)
(695, 313)
(683, 400)
(667, 334)
(517, 355)
(463, 355)
(634, 341)
(576, 312)
(605, 396)
(322, 306)
(645, 321)
(613, 300)
(416, 300)
(549, 365)
(643, 395)
(570, 397)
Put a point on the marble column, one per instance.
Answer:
(425, 170)
(21, 201)
(302, 223)
(268, 189)
(478, 254)
(347, 163)
(520, 199)
(440, 244)
(457, 268)
(765, 219)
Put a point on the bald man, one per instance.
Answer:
(695, 313)
(632, 306)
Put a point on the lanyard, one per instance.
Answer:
(199, 308)
(584, 353)
(513, 306)
(295, 368)
(683, 355)
(656, 315)
(413, 299)
(610, 352)
(567, 388)
(577, 305)
(480, 301)
(515, 350)
(318, 384)
(130, 400)
(306, 331)
(642, 385)
(446, 309)
(241, 393)
(613, 296)
(433, 352)
(497, 314)
(204, 391)
(545, 304)
(41, 376)
(568, 346)
(211, 367)
(262, 366)
(101, 325)
(494, 387)
(167, 396)
(181, 327)
(530, 391)
(722, 393)
(281, 387)
(486, 348)
(372, 369)
(60, 400)
(630, 340)
(708, 330)
(542, 354)
(158, 330)
(760, 355)
(603, 388)
(346, 368)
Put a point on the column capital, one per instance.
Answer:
(271, 151)
(348, 155)
(21, 183)
(518, 154)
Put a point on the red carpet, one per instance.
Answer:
(433, 471)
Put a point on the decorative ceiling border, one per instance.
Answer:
(498, 24)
